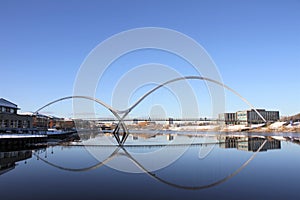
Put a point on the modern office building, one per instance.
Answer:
(248, 117)
(251, 117)
(228, 118)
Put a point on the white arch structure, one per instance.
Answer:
(121, 114)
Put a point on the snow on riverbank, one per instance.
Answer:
(277, 125)
(194, 128)
(274, 127)
(20, 136)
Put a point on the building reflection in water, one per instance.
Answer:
(9, 159)
(248, 143)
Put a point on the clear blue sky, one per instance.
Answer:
(255, 44)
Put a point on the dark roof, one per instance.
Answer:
(5, 103)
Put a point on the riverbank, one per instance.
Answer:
(274, 127)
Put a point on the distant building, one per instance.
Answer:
(228, 118)
(62, 123)
(8, 107)
(135, 121)
(170, 137)
(10, 121)
(171, 121)
(39, 121)
(135, 137)
(249, 117)
(43, 122)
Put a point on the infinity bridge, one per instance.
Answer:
(121, 114)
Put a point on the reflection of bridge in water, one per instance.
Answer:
(256, 144)
(122, 151)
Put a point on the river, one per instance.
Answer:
(155, 166)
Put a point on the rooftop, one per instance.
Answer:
(6, 103)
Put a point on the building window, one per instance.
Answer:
(24, 124)
(14, 123)
(20, 124)
(6, 123)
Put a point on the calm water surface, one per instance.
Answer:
(214, 167)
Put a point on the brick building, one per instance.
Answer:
(10, 121)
